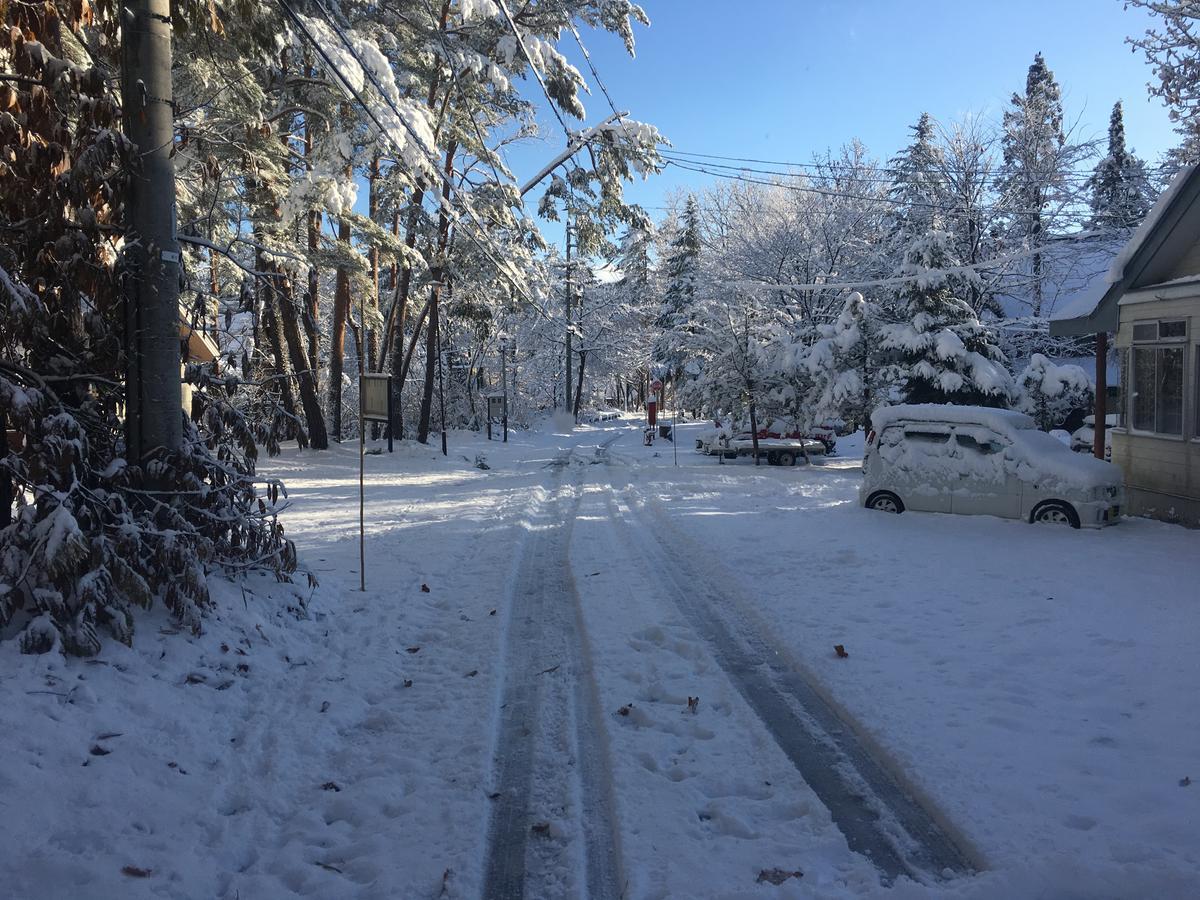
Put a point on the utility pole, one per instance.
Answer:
(567, 359)
(154, 410)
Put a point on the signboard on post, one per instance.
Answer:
(374, 405)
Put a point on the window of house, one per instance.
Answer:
(1196, 393)
(1123, 388)
(1157, 389)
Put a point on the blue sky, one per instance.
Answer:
(781, 79)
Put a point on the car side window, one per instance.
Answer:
(925, 439)
(979, 444)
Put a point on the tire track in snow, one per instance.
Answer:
(877, 815)
(551, 752)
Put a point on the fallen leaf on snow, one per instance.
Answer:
(624, 710)
(1184, 781)
(777, 876)
(693, 704)
(840, 651)
(424, 589)
(97, 750)
(472, 673)
(135, 871)
(330, 786)
(408, 682)
(413, 649)
(540, 828)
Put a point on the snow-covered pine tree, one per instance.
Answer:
(945, 354)
(1037, 157)
(846, 365)
(681, 277)
(1174, 52)
(1121, 190)
(916, 187)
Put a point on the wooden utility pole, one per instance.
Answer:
(153, 401)
(1101, 404)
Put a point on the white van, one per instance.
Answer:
(981, 461)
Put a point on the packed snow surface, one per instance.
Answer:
(1033, 687)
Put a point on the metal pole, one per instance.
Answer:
(362, 528)
(674, 414)
(153, 395)
(504, 382)
(391, 419)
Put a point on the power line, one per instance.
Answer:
(296, 20)
(893, 201)
(924, 273)
(512, 23)
(863, 173)
(1164, 169)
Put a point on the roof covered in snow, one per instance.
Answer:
(1169, 231)
(1074, 271)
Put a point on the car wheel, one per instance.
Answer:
(1055, 512)
(787, 459)
(772, 459)
(885, 501)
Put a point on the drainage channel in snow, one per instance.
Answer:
(551, 832)
(878, 817)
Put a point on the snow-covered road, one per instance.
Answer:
(584, 671)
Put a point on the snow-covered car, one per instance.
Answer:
(776, 450)
(1083, 438)
(980, 461)
(601, 415)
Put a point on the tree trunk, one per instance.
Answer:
(431, 355)
(438, 274)
(754, 430)
(313, 416)
(337, 348)
(312, 310)
(272, 330)
(579, 383)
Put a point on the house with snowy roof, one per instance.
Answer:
(1150, 299)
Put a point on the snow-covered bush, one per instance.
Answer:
(1050, 392)
(944, 353)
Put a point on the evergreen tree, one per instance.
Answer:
(945, 355)
(1121, 191)
(916, 187)
(1036, 156)
(682, 275)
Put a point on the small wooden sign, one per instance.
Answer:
(375, 396)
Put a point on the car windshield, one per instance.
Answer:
(1041, 442)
